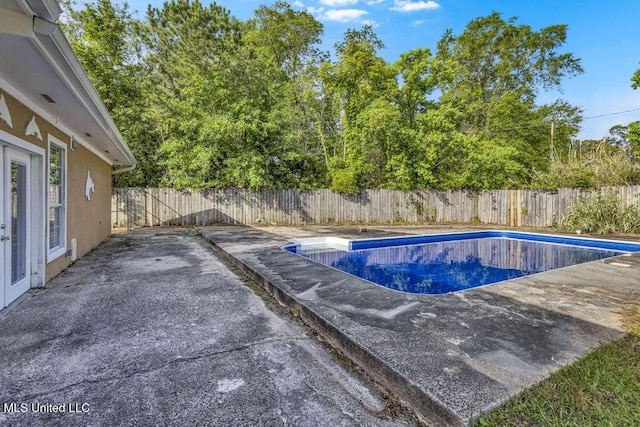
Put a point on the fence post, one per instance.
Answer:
(476, 207)
(519, 207)
(128, 211)
(512, 220)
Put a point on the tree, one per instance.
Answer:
(205, 100)
(289, 38)
(492, 73)
(228, 95)
(285, 41)
(189, 59)
(105, 37)
(415, 70)
(493, 57)
(364, 86)
(634, 140)
(634, 128)
(626, 138)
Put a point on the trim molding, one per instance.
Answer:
(38, 259)
(21, 144)
(57, 252)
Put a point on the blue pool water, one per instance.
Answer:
(448, 263)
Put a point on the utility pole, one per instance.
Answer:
(551, 148)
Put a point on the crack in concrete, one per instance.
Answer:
(162, 366)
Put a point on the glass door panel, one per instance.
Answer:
(18, 221)
(15, 219)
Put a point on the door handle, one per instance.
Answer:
(3, 238)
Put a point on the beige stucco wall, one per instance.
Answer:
(88, 221)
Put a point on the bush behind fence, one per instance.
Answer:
(139, 207)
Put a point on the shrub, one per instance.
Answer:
(344, 181)
(602, 214)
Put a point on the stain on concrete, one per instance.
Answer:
(181, 341)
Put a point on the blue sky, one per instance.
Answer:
(604, 35)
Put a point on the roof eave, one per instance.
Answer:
(54, 45)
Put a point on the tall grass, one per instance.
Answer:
(602, 214)
(599, 166)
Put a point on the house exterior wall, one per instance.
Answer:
(88, 221)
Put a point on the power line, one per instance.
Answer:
(612, 114)
(549, 124)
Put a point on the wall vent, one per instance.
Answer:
(48, 98)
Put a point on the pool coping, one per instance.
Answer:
(300, 245)
(363, 244)
(256, 253)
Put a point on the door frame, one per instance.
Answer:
(13, 290)
(37, 214)
(3, 231)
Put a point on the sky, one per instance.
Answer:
(604, 35)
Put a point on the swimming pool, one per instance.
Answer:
(443, 263)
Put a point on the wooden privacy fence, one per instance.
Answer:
(138, 207)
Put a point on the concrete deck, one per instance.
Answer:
(151, 328)
(449, 357)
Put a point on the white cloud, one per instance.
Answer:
(374, 2)
(298, 4)
(413, 6)
(338, 3)
(345, 15)
(418, 23)
(314, 10)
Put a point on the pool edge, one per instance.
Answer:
(427, 408)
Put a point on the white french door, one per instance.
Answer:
(15, 224)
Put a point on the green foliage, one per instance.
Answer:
(205, 100)
(635, 80)
(106, 39)
(633, 135)
(225, 96)
(187, 46)
(361, 84)
(491, 74)
(287, 37)
(344, 181)
(493, 166)
(494, 57)
(415, 70)
(602, 214)
(626, 138)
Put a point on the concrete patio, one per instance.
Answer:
(151, 328)
(450, 357)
